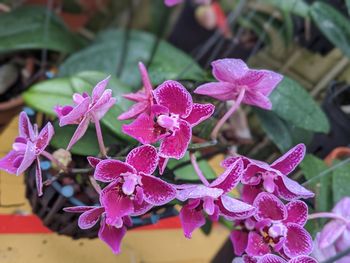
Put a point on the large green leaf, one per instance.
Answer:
(333, 24)
(341, 185)
(87, 145)
(45, 95)
(105, 54)
(293, 104)
(298, 7)
(311, 167)
(24, 28)
(187, 172)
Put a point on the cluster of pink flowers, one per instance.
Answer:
(269, 218)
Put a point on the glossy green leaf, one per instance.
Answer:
(293, 104)
(45, 95)
(312, 166)
(24, 28)
(187, 172)
(341, 185)
(105, 55)
(333, 25)
(86, 146)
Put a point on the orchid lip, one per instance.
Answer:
(169, 122)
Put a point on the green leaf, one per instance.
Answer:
(297, 7)
(312, 166)
(293, 104)
(208, 227)
(187, 172)
(341, 179)
(106, 52)
(24, 29)
(348, 5)
(45, 95)
(333, 25)
(87, 145)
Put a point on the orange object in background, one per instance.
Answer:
(336, 154)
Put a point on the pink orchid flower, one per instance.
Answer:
(133, 190)
(143, 98)
(27, 148)
(279, 228)
(270, 258)
(171, 120)
(236, 78)
(213, 200)
(112, 235)
(87, 109)
(176, 2)
(335, 235)
(273, 178)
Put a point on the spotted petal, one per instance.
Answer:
(218, 90)
(291, 159)
(256, 245)
(239, 241)
(199, 113)
(298, 241)
(109, 170)
(79, 132)
(198, 191)
(234, 209)
(7, 162)
(25, 127)
(175, 97)
(302, 259)
(270, 207)
(28, 158)
(112, 236)
(44, 137)
(270, 258)
(90, 217)
(229, 69)
(297, 212)
(291, 190)
(144, 159)
(191, 219)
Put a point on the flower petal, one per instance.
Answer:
(239, 241)
(145, 79)
(331, 232)
(25, 128)
(175, 97)
(156, 191)
(250, 192)
(229, 69)
(270, 207)
(28, 158)
(7, 162)
(342, 208)
(90, 217)
(163, 162)
(198, 191)
(44, 137)
(218, 90)
(234, 209)
(79, 132)
(268, 82)
(144, 159)
(141, 209)
(109, 170)
(142, 129)
(78, 209)
(230, 178)
(302, 259)
(199, 113)
(99, 89)
(298, 241)
(290, 190)
(256, 245)
(191, 219)
(297, 213)
(112, 236)
(255, 98)
(133, 111)
(270, 258)
(172, 2)
(175, 145)
(116, 204)
(93, 161)
(291, 159)
(76, 113)
(103, 105)
(38, 178)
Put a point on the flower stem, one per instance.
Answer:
(100, 138)
(328, 215)
(198, 170)
(50, 157)
(221, 122)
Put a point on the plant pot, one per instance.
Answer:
(56, 196)
(10, 109)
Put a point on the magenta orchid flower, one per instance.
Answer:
(236, 78)
(176, 2)
(143, 98)
(112, 235)
(335, 235)
(171, 120)
(133, 190)
(273, 178)
(27, 148)
(87, 109)
(279, 228)
(213, 200)
(270, 258)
